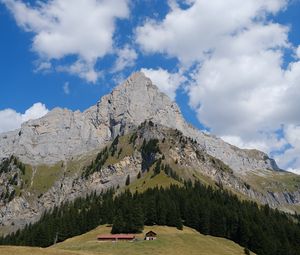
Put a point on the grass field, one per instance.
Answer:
(274, 181)
(12, 250)
(44, 177)
(170, 241)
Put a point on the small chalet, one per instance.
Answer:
(150, 236)
(117, 237)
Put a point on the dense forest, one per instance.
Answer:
(214, 212)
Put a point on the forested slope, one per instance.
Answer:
(214, 212)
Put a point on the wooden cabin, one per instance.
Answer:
(150, 236)
(117, 237)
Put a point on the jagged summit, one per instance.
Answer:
(131, 103)
(63, 134)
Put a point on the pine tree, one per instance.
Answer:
(138, 218)
(243, 232)
(118, 224)
(150, 211)
(173, 216)
(161, 211)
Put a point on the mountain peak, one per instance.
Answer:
(63, 134)
(135, 100)
(137, 76)
(139, 83)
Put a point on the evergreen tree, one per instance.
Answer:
(138, 218)
(204, 215)
(161, 211)
(150, 211)
(118, 224)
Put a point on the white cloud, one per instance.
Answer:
(290, 158)
(265, 141)
(298, 52)
(66, 88)
(191, 34)
(82, 69)
(43, 66)
(11, 120)
(239, 87)
(81, 28)
(166, 81)
(238, 94)
(126, 58)
(293, 170)
(36, 111)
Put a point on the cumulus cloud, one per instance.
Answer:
(166, 81)
(267, 142)
(192, 34)
(247, 88)
(82, 69)
(80, 28)
(126, 58)
(11, 120)
(238, 85)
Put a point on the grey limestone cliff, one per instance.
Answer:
(63, 134)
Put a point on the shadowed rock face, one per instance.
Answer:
(63, 134)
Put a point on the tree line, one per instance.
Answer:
(215, 212)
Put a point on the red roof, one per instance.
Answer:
(117, 236)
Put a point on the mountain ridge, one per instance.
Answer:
(62, 134)
(58, 148)
(40, 188)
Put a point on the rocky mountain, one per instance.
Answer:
(63, 134)
(66, 154)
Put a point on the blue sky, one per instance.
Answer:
(28, 86)
(232, 66)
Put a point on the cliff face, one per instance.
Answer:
(110, 166)
(63, 134)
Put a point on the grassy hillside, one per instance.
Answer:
(150, 181)
(274, 181)
(170, 242)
